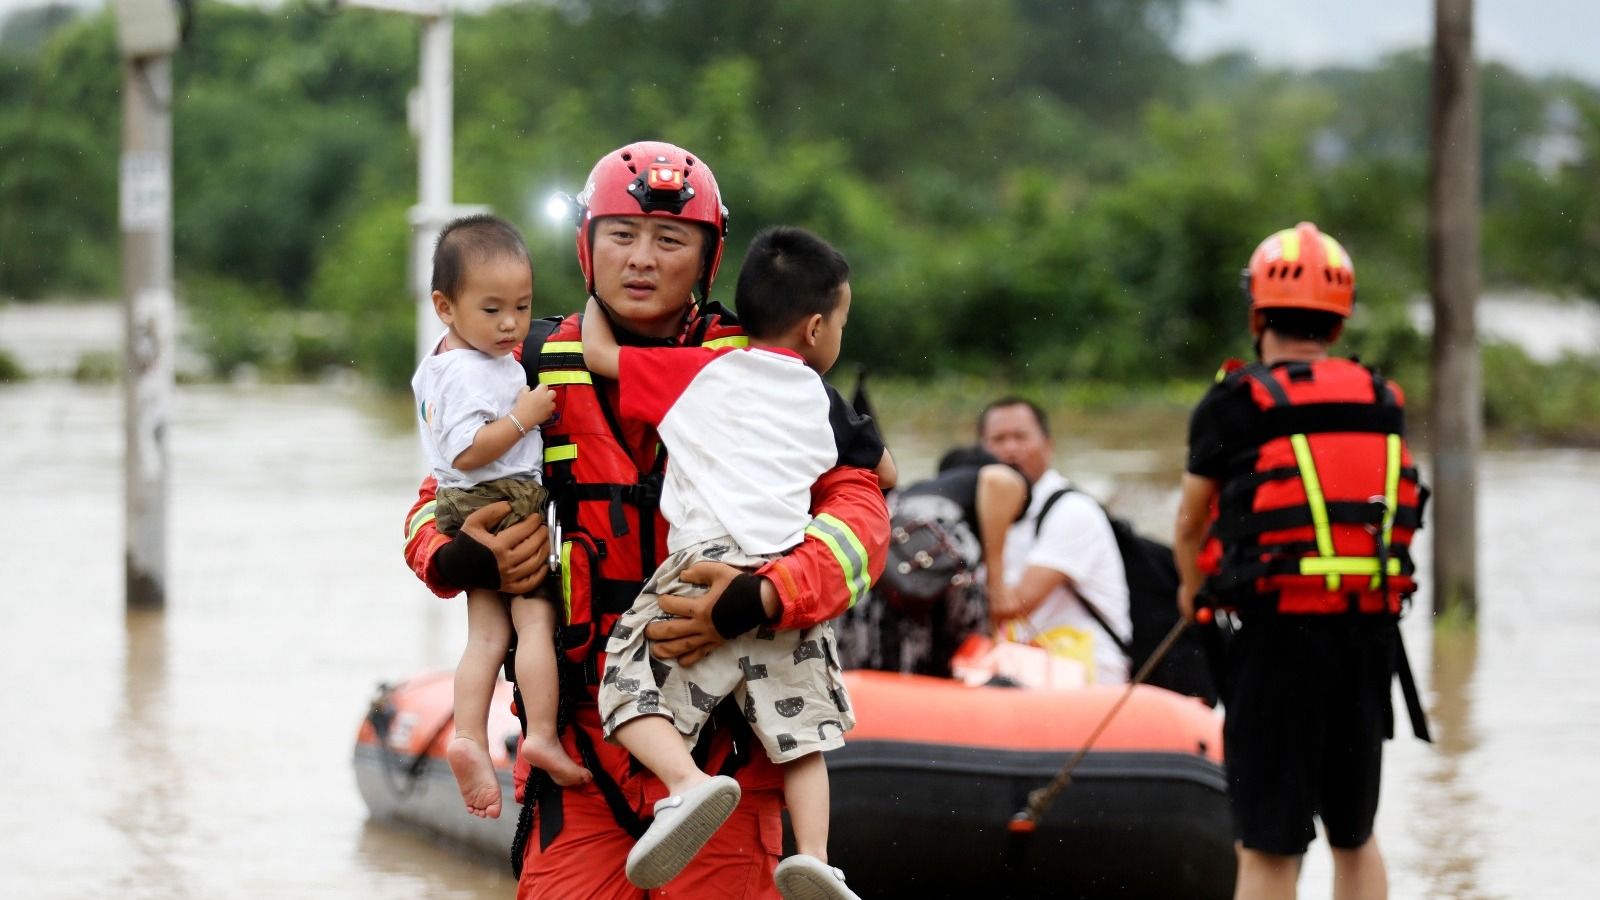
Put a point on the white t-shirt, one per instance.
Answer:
(747, 432)
(1077, 541)
(460, 391)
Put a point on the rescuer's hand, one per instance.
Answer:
(521, 552)
(734, 602)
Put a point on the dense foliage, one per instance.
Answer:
(1026, 188)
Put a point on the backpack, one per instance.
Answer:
(924, 562)
(1153, 609)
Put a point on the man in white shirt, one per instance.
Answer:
(1065, 584)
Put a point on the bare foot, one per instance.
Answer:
(475, 776)
(549, 755)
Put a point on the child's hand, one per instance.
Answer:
(535, 406)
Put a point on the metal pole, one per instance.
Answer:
(146, 222)
(432, 115)
(1453, 235)
(435, 124)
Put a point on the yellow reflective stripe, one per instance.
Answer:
(847, 551)
(562, 347)
(560, 452)
(1315, 500)
(1334, 566)
(1391, 486)
(566, 581)
(1391, 493)
(1334, 251)
(566, 376)
(422, 517)
(737, 340)
(1290, 241)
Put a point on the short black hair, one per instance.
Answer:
(1309, 324)
(1012, 400)
(965, 458)
(788, 275)
(474, 239)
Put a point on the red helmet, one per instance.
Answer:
(652, 178)
(1301, 268)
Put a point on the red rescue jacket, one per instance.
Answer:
(1323, 521)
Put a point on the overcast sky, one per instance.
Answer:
(1536, 36)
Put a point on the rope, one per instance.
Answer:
(1039, 800)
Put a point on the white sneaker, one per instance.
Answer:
(802, 877)
(682, 825)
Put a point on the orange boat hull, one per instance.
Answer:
(923, 789)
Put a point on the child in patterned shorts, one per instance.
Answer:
(747, 431)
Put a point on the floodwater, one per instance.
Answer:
(206, 751)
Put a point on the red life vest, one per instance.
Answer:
(1323, 520)
(607, 489)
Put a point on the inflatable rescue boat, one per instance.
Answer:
(924, 788)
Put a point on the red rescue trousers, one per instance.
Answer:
(586, 859)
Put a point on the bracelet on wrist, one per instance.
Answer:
(517, 424)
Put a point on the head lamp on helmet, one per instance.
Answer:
(652, 178)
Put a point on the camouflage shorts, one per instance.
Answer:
(453, 505)
(787, 682)
(527, 497)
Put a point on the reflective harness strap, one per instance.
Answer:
(1391, 504)
(1319, 517)
(561, 362)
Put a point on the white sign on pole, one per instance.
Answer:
(146, 191)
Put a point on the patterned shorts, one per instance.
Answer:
(787, 682)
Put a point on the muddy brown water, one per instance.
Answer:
(206, 751)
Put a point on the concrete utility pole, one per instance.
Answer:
(432, 116)
(1453, 280)
(147, 36)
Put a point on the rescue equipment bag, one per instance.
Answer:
(925, 561)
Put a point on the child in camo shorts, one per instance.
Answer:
(748, 431)
(479, 427)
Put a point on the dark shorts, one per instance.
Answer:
(1308, 710)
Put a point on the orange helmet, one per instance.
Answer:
(1301, 268)
(652, 178)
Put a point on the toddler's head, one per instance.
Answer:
(483, 283)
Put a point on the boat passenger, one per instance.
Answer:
(748, 430)
(1299, 473)
(606, 476)
(1065, 586)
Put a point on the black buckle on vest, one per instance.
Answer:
(647, 493)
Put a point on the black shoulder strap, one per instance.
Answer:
(1088, 607)
(1262, 375)
(539, 331)
(1049, 502)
